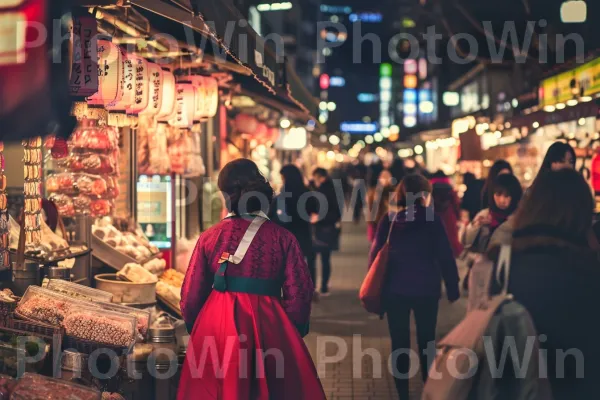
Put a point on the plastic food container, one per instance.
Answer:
(142, 316)
(78, 291)
(43, 305)
(101, 326)
(36, 387)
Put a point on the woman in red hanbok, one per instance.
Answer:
(246, 301)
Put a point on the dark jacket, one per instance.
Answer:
(330, 213)
(447, 207)
(558, 282)
(286, 212)
(471, 200)
(420, 255)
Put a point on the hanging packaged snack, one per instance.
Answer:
(91, 137)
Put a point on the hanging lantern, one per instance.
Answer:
(200, 89)
(110, 75)
(245, 123)
(142, 86)
(128, 83)
(185, 104)
(212, 96)
(84, 69)
(156, 89)
(167, 105)
(596, 172)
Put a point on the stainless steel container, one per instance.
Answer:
(126, 292)
(24, 276)
(59, 273)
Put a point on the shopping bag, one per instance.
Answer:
(372, 286)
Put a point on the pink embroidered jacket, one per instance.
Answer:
(274, 254)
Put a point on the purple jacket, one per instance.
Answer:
(420, 255)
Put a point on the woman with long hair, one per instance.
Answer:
(555, 275)
(420, 257)
(559, 155)
(447, 207)
(378, 199)
(246, 302)
(500, 167)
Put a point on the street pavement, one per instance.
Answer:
(341, 330)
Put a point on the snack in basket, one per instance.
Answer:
(44, 309)
(173, 278)
(170, 294)
(156, 266)
(137, 274)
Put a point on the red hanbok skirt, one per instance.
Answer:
(243, 346)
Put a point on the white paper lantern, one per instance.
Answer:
(128, 81)
(185, 104)
(167, 106)
(212, 96)
(110, 74)
(200, 90)
(156, 89)
(142, 86)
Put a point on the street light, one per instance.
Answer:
(285, 123)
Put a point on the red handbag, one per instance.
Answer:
(372, 286)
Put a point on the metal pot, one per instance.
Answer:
(126, 292)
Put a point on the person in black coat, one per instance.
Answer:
(555, 275)
(326, 223)
(293, 207)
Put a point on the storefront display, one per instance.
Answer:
(4, 227)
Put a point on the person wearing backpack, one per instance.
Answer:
(555, 275)
(505, 194)
(420, 256)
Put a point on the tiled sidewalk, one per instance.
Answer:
(338, 318)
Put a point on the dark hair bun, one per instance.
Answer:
(245, 189)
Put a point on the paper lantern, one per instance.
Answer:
(141, 96)
(261, 132)
(110, 74)
(213, 96)
(167, 106)
(201, 95)
(84, 69)
(185, 104)
(156, 89)
(245, 123)
(128, 83)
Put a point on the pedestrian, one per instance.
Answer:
(326, 227)
(378, 199)
(398, 170)
(420, 256)
(293, 207)
(471, 201)
(447, 208)
(555, 275)
(500, 167)
(358, 186)
(247, 291)
(559, 155)
(505, 195)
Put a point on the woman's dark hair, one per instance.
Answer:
(558, 200)
(373, 173)
(322, 172)
(246, 189)
(294, 181)
(507, 185)
(398, 170)
(498, 167)
(413, 185)
(557, 153)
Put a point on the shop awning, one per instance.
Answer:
(299, 94)
(223, 23)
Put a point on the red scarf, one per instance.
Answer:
(497, 218)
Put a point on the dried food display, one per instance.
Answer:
(169, 294)
(137, 274)
(101, 327)
(131, 244)
(156, 266)
(37, 387)
(32, 192)
(173, 278)
(142, 316)
(44, 306)
(89, 136)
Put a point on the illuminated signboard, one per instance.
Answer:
(358, 127)
(337, 81)
(385, 95)
(336, 9)
(367, 97)
(366, 17)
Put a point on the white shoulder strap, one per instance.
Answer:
(503, 269)
(247, 239)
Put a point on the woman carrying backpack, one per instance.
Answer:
(420, 256)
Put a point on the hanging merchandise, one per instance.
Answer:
(142, 86)
(88, 181)
(195, 167)
(180, 148)
(110, 75)
(32, 193)
(212, 101)
(185, 104)
(245, 123)
(156, 90)
(84, 70)
(153, 157)
(4, 231)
